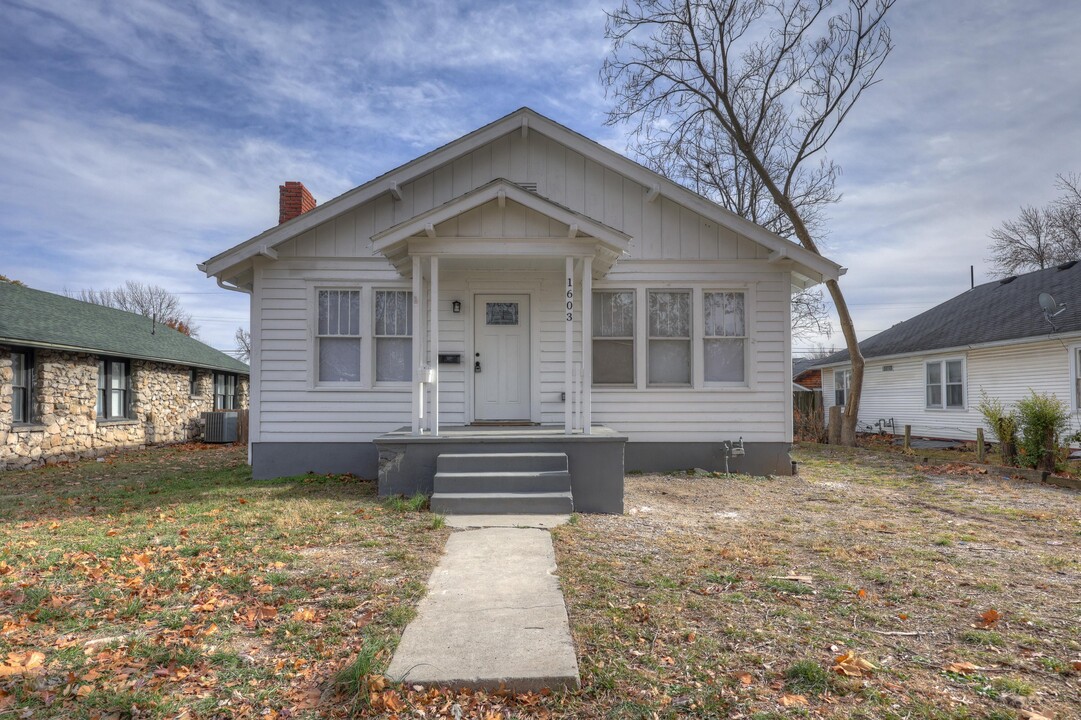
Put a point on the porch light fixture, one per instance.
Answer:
(456, 306)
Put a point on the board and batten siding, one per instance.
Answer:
(1006, 372)
(662, 229)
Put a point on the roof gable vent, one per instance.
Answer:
(1066, 265)
(1007, 280)
(530, 186)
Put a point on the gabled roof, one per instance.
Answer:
(812, 265)
(994, 312)
(41, 319)
(611, 243)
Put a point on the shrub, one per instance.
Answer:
(1003, 424)
(1043, 420)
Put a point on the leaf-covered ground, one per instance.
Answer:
(867, 587)
(167, 583)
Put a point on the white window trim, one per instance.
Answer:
(633, 384)
(700, 302)
(390, 384)
(1075, 369)
(848, 385)
(694, 340)
(964, 384)
(314, 383)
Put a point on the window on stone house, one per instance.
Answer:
(193, 382)
(114, 389)
(23, 390)
(224, 391)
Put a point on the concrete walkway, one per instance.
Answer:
(494, 614)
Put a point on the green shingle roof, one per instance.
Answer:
(34, 317)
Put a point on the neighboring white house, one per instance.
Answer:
(929, 371)
(519, 230)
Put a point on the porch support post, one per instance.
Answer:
(418, 334)
(587, 344)
(568, 349)
(434, 322)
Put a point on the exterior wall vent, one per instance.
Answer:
(530, 186)
(887, 368)
(219, 427)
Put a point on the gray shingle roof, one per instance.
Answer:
(996, 311)
(29, 316)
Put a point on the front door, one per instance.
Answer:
(501, 362)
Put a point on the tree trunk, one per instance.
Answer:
(855, 389)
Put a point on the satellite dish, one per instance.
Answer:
(1050, 307)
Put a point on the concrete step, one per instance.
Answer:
(503, 482)
(536, 503)
(501, 462)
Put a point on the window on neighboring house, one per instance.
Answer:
(224, 391)
(1077, 380)
(23, 405)
(393, 335)
(669, 337)
(338, 336)
(842, 379)
(725, 337)
(946, 381)
(613, 337)
(193, 382)
(114, 389)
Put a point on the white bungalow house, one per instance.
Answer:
(520, 291)
(929, 371)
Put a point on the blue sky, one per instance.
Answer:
(142, 137)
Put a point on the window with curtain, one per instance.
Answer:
(224, 391)
(338, 336)
(945, 384)
(613, 337)
(841, 380)
(393, 335)
(724, 341)
(669, 337)
(23, 407)
(114, 389)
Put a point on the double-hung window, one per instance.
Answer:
(945, 384)
(393, 336)
(224, 391)
(842, 380)
(338, 336)
(23, 407)
(725, 337)
(669, 337)
(613, 337)
(114, 389)
(193, 382)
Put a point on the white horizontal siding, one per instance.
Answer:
(1008, 372)
(290, 409)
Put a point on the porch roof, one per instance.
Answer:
(584, 236)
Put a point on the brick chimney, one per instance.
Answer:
(293, 200)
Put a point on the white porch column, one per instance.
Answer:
(568, 381)
(587, 344)
(418, 342)
(434, 350)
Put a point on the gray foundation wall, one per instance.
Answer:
(762, 458)
(274, 460)
(596, 466)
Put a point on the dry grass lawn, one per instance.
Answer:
(167, 583)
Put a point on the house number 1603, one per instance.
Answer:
(570, 300)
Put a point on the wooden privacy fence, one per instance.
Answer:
(242, 426)
(808, 422)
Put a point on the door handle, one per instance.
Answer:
(476, 366)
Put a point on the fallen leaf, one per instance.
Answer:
(745, 678)
(111, 532)
(142, 560)
(1077, 666)
(1031, 715)
(989, 618)
(962, 668)
(862, 594)
(788, 700)
(304, 615)
(852, 665)
(242, 501)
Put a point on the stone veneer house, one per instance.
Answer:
(77, 379)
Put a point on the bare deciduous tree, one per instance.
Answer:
(242, 339)
(153, 301)
(1039, 238)
(771, 80)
